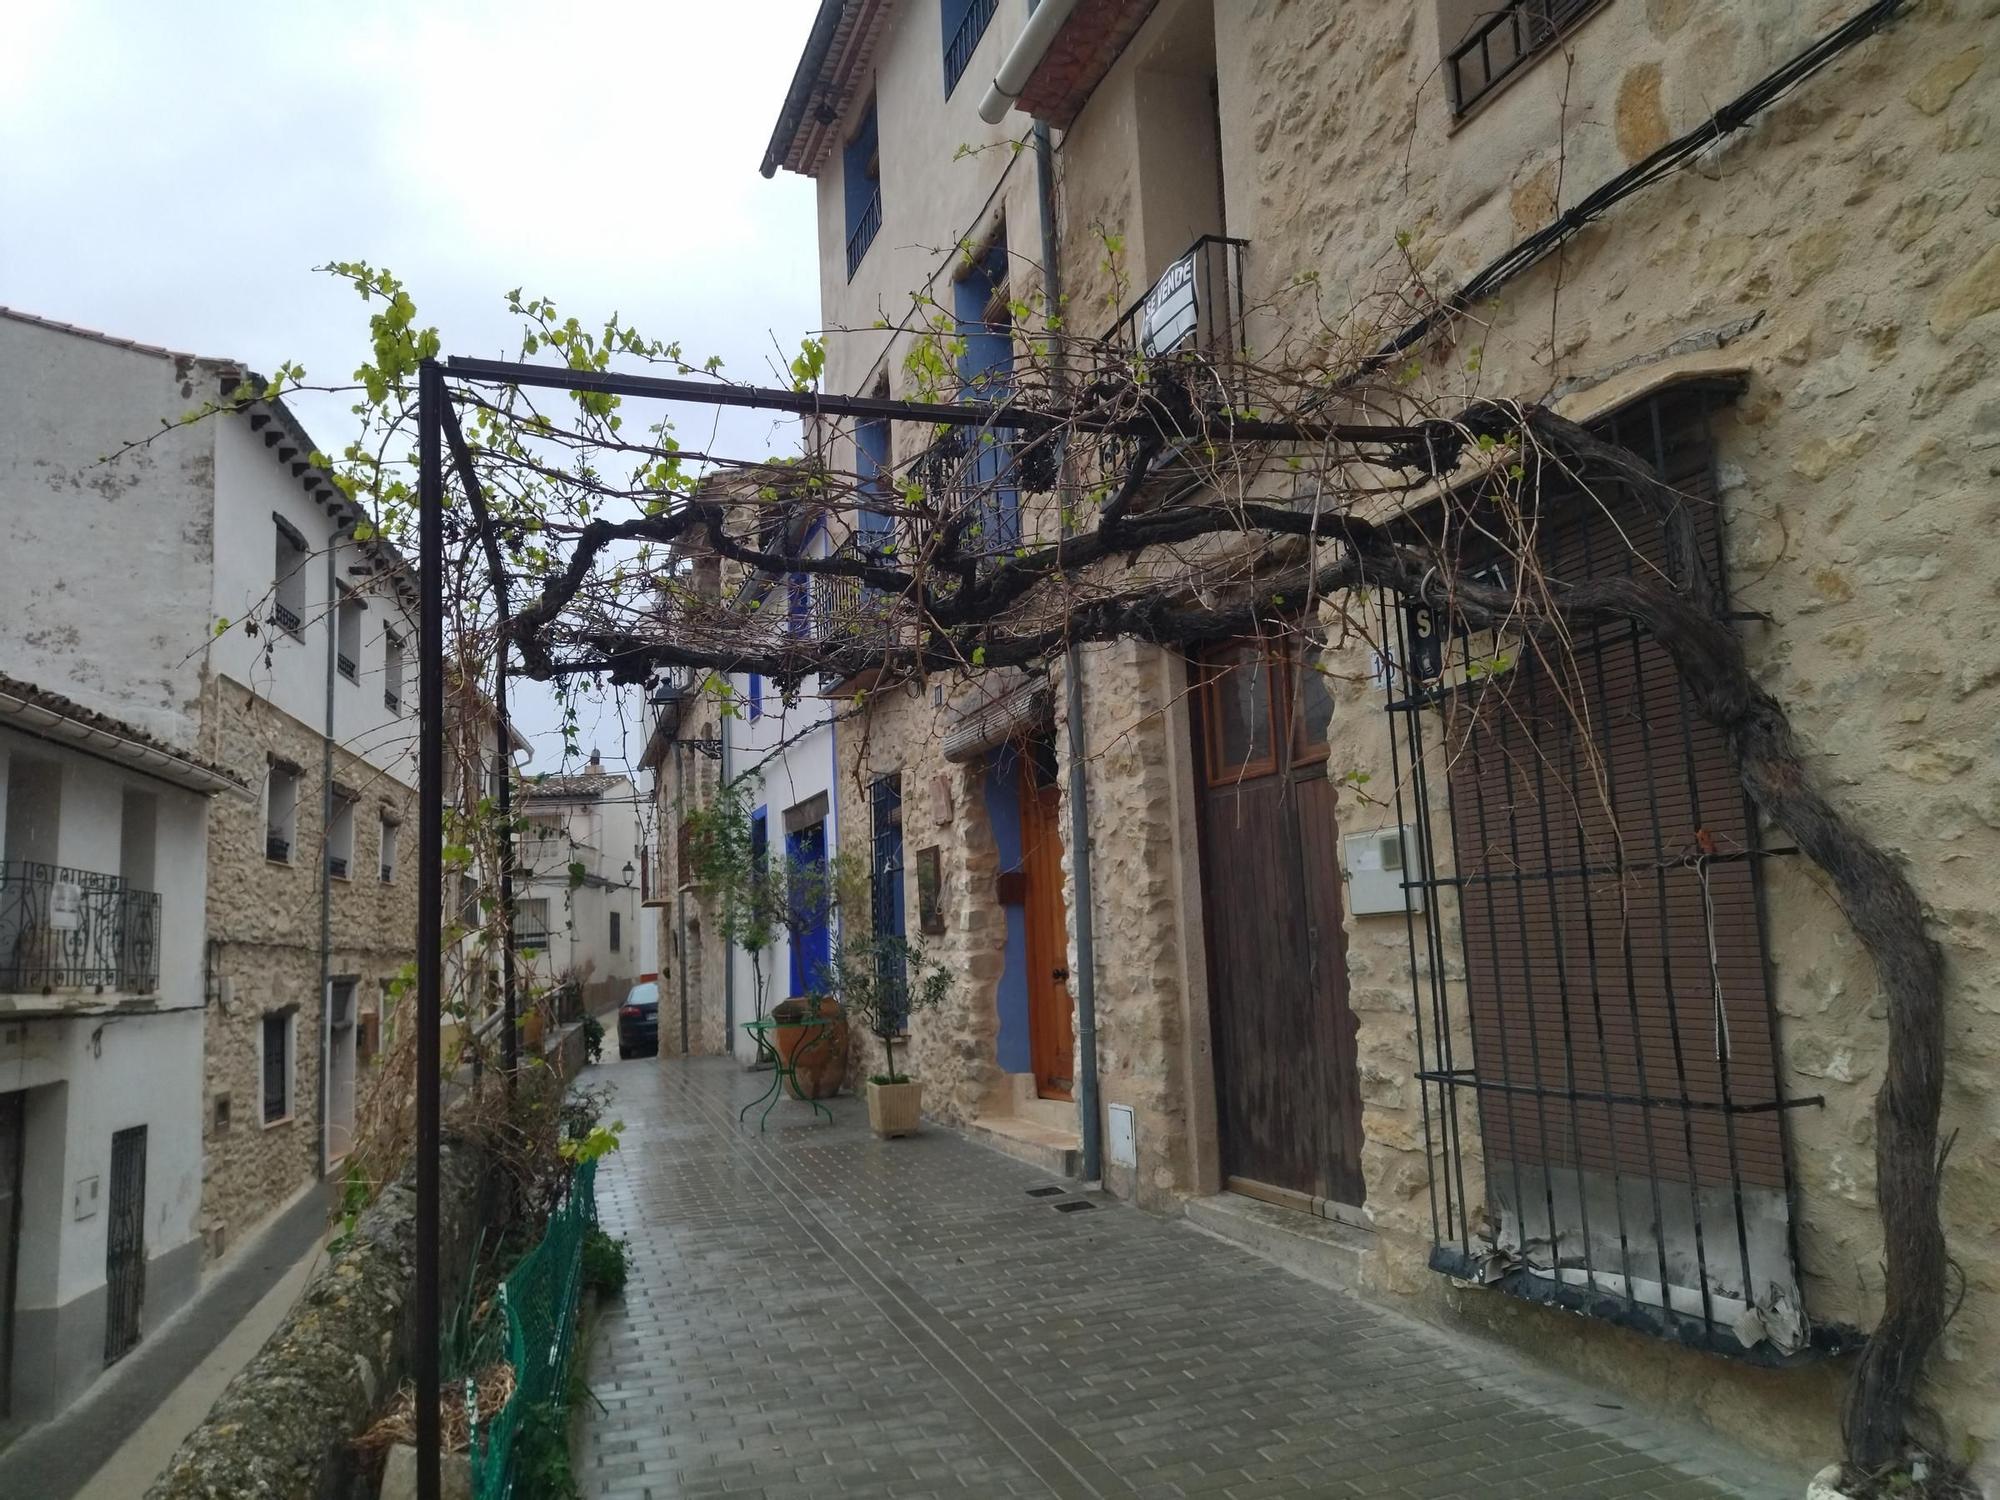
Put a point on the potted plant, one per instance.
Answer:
(882, 982)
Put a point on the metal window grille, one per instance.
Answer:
(1603, 1111)
(68, 929)
(347, 667)
(277, 846)
(277, 1067)
(1511, 36)
(337, 866)
(964, 41)
(864, 232)
(286, 618)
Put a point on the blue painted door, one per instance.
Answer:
(805, 854)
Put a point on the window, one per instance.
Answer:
(390, 829)
(965, 23)
(288, 604)
(347, 643)
(1488, 42)
(281, 812)
(756, 695)
(340, 837)
(392, 671)
(871, 468)
(531, 922)
(861, 180)
(277, 1063)
(615, 933)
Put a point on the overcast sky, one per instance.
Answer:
(173, 172)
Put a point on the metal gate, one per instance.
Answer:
(125, 1243)
(1603, 1106)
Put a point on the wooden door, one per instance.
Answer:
(125, 1243)
(1051, 1030)
(1289, 1107)
(11, 1132)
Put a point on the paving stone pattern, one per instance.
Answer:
(812, 1312)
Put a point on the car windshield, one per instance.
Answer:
(644, 994)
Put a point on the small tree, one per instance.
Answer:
(750, 887)
(881, 982)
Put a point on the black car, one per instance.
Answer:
(639, 1020)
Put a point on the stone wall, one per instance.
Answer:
(1840, 254)
(264, 949)
(282, 1428)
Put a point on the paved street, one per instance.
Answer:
(814, 1313)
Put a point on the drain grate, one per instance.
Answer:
(1072, 1206)
(1045, 1192)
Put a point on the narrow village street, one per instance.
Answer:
(813, 1312)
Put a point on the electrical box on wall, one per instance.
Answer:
(1376, 872)
(1123, 1144)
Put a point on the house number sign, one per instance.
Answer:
(1169, 312)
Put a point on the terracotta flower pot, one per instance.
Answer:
(821, 1051)
(895, 1108)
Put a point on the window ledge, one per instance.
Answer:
(282, 1120)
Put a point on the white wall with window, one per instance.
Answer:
(340, 838)
(103, 873)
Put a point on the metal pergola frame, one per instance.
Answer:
(438, 431)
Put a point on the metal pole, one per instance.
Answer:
(326, 864)
(1090, 1116)
(680, 881)
(430, 907)
(510, 1035)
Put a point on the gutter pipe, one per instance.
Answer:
(1029, 48)
(1090, 1115)
(326, 868)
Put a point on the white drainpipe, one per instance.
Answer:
(1029, 48)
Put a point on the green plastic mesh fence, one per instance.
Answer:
(538, 1321)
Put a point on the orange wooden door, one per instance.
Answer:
(1051, 1034)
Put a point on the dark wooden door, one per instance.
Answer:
(11, 1130)
(1051, 1030)
(125, 1243)
(1284, 1033)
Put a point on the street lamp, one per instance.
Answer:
(628, 872)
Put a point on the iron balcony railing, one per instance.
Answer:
(847, 612)
(286, 618)
(864, 232)
(393, 702)
(965, 41)
(336, 866)
(66, 929)
(1195, 308)
(1513, 34)
(347, 666)
(277, 846)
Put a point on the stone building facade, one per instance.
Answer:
(1823, 287)
(265, 960)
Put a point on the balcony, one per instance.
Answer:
(336, 867)
(849, 613)
(286, 619)
(1194, 312)
(278, 847)
(347, 667)
(64, 929)
(864, 232)
(965, 41)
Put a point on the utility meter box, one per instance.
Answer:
(1124, 1133)
(1376, 870)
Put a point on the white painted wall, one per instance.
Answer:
(106, 566)
(790, 750)
(251, 487)
(604, 835)
(106, 1072)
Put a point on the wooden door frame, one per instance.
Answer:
(1054, 946)
(1288, 763)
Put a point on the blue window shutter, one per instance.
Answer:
(871, 463)
(861, 186)
(756, 695)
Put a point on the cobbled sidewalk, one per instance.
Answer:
(815, 1313)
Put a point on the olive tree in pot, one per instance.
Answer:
(881, 982)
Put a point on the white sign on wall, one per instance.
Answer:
(65, 906)
(1170, 312)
